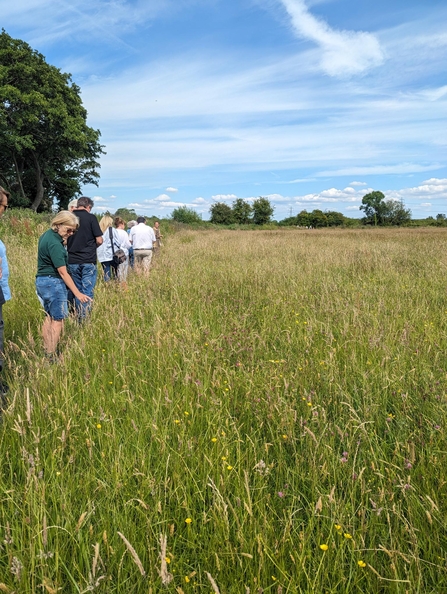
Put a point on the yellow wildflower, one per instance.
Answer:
(347, 535)
(214, 439)
(188, 521)
(337, 527)
(361, 563)
(98, 426)
(324, 547)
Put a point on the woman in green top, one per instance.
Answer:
(53, 280)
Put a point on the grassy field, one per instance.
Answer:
(265, 413)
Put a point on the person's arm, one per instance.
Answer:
(96, 230)
(124, 239)
(62, 270)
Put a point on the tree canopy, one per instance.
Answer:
(47, 151)
(379, 211)
(242, 211)
(221, 214)
(186, 215)
(262, 211)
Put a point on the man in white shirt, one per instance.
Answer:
(142, 239)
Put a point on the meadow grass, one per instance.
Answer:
(265, 413)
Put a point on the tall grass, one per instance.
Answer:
(265, 413)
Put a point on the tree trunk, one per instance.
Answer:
(39, 184)
(19, 177)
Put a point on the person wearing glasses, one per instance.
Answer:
(53, 280)
(5, 293)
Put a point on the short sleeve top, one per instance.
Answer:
(51, 254)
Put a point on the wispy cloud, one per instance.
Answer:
(344, 53)
(401, 168)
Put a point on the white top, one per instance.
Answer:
(142, 237)
(123, 237)
(104, 251)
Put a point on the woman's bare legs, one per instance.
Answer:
(51, 332)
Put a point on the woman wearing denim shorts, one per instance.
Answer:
(53, 280)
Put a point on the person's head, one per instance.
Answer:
(131, 224)
(156, 224)
(140, 220)
(73, 204)
(85, 202)
(4, 197)
(105, 223)
(65, 223)
(119, 223)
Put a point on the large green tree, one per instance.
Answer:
(262, 211)
(221, 214)
(186, 215)
(242, 211)
(47, 150)
(379, 211)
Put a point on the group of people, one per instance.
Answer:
(67, 264)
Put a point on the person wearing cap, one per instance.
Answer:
(5, 293)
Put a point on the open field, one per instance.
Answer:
(273, 404)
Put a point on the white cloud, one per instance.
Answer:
(425, 203)
(99, 199)
(200, 200)
(219, 197)
(171, 190)
(161, 198)
(434, 182)
(357, 183)
(344, 52)
(277, 198)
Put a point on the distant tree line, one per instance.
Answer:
(242, 212)
(378, 211)
(315, 219)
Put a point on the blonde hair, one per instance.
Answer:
(4, 192)
(105, 223)
(65, 217)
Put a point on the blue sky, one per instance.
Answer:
(312, 103)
